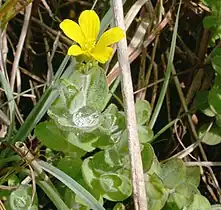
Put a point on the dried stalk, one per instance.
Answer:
(139, 193)
(20, 45)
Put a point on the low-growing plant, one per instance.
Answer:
(85, 134)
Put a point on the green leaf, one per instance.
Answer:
(202, 103)
(52, 194)
(93, 85)
(173, 173)
(147, 157)
(52, 137)
(73, 202)
(144, 134)
(143, 111)
(216, 207)
(21, 199)
(85, 119)
(155, 167)
(70, 165)
(85, 141)
(216, 62)
(88, 173)
(72, 185)
(218, 120)
(183, 195)
(193, 175)
(210, 21)
(116, 187)
(200, 203)
(215, 95)
(119, 206)
(156, 193)
(211, 137)
(106, 161)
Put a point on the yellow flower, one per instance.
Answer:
(85, 34)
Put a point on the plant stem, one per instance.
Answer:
(139, 192)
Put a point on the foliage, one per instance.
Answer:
(209, 102)
(105, 173)
(78, 125)
(85, 139)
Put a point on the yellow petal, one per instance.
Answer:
(110, 37)
(72, 30)
(102, 55)
(75, 50)
(90, 24)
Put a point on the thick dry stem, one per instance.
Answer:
(139, 193)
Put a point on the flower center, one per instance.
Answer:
(89, 45)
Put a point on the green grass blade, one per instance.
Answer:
(72, 185)
(53, 195)
(168, 72)
(11, 104)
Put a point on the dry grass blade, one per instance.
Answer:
(134, 53)
(139, 193)
(20, 44)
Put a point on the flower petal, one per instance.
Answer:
(110, 37)
(72, 30)
(75, 50)
(102, 55)
(90, 24)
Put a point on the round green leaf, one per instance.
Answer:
(193, 175)
(116, 187)
(218, 120)
(211, 137)
(108, 160)
(173, 173)
(21, 199)
(156, 193)
(143, 111)
(145, 134)
(200, 203)
(216, 62)
(183, 195)
(119, 206)
(93, 84)
(87, 172)
(147, 157)
(82, 140)
(215, 95)
(70, 165)
(202, 103)
(50, 136)
(216, 207)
